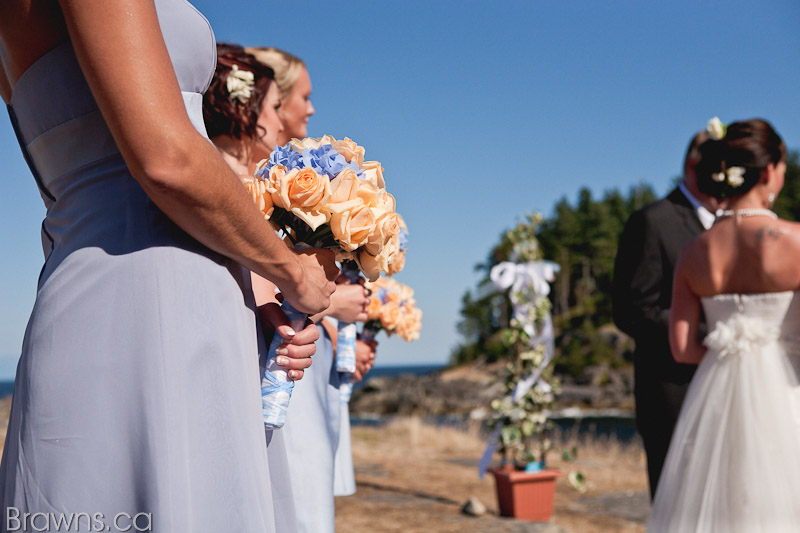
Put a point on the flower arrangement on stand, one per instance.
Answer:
(322, 194)
(529, 384)
(519, 287)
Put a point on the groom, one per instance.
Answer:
(646, 257)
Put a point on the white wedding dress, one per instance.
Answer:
(734, 460)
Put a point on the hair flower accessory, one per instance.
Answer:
(733, 175)
(240, 84)
(716, 129)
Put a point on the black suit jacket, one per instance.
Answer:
(645, 263)
(648, 251)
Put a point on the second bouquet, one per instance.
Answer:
(322, 194)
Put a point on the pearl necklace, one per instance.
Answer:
(753, 212)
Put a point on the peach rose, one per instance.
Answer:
(374, 308)
(369, 265)
(353, 227)
(387, 228)
(369, 194)
(373, 172)
(389, 253)
(373, 265)
(303, 192)
(311, 142)
(410, 324)
(392, 296)
(273, 184)
(406, 294)
(350, 150)
(344, 192)
(258, 192)
(384, 203)
(391, 314)
(397, 264)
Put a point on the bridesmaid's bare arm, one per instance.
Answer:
(123, 56)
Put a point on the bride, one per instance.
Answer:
(733, 463)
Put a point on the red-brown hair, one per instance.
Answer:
(224, 115)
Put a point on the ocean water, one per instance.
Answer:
(7, 387)
(390, 371)
(614, 425)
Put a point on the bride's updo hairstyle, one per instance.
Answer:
(732, 165)
(233, 101)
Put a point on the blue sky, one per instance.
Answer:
(481, 112)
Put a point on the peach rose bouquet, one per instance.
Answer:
(393, 309)
(322, 194)
(346, 338)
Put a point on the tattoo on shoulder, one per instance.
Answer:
(768, 233)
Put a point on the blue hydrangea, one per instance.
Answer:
(327, 161)
(402, 239)
(284, 155)
(382, 295)
(324, 160)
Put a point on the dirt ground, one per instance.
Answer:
(414, 477)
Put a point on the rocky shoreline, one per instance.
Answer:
(467, 390)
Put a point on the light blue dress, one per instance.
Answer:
(344, 479)
(312, 435)
(138, 388)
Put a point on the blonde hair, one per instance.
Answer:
(286, 66)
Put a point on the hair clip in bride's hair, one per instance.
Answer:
(716, 129)
(240, 84)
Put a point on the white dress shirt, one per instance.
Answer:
(706, 217)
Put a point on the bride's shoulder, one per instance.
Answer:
(789, 225)
(783, 232)
(700, 244)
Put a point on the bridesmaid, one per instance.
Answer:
(245, 130)
(344, 480)
(240, 113)
(137, 389)
(294, 85)
(315, 414)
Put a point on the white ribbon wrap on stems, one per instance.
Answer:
(528, 282)
(346, 342)
(276, 388)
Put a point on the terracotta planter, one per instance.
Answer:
(526, 495)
